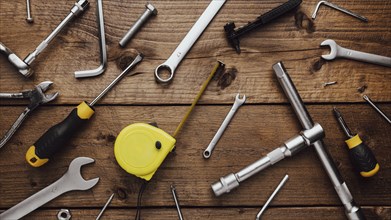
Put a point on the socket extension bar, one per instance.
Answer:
(352, 210)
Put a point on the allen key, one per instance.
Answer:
(336, 7)
(102, 45)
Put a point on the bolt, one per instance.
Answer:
(29, 19)
(151, 10)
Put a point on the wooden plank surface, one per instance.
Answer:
(263, 124)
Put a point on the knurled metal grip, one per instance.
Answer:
(290, 148)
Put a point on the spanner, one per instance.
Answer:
(195, 32)
(36, 96)
(71, 180)
(238, 102)
(338, 51)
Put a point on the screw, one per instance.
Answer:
(329, 83)
(29, 19)
(151, 10)
(366, 98)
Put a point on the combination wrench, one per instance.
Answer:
(338, 51)
(195, 32)
(238, 102)
(71, 180)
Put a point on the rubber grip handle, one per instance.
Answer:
(57, 136)
(278, 11)
(364, 160)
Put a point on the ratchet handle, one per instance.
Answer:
(57, 136)
(362, 157)
(278, 11)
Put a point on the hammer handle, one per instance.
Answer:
(278, 11)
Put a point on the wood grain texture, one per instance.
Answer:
(76, 48)
(263, 124)
(322, 213)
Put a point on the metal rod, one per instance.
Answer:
(102, 45)
(29, 18)
(105, 206)
(136, 60)
(366, 98)
(352, 210)
(342, 122)
(280, 185)
(176, 202)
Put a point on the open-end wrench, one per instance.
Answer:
(238, 102)
(70, 181)
(36, 96)
(191, 37)
(338, 51)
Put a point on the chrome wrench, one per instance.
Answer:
(195, 32)
(71, 180)
(238, 102)
(338, 51)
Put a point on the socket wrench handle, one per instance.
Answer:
(288, 149)
(352, 210)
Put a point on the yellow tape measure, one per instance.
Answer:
(141, 148)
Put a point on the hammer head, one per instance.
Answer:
(23, 68)
(231, 36)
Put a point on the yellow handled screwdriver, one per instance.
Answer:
(58, 135)
(361, 156)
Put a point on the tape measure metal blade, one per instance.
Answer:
(141, 148)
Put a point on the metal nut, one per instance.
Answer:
(64, 214)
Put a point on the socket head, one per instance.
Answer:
(151, 8)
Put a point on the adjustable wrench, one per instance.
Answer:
(71, 180)
(238, 102)
(338, 51)
(187, 42)
(36, 96)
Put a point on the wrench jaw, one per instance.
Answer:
(333, 49)
(74, 173)
(239, 100)
(41, 88)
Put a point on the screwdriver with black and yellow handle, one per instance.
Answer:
(361, 156)
(57, 136)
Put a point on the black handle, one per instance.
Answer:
(364, 160)
(278, 11)
(57, 136)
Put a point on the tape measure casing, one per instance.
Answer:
(141, 148)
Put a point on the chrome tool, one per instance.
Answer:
(288, 149)
(37, 97)
(105, 206)
(64, 214)
(339, 8)
(238, 102)
(280, 185)
(70, 181)
(102, 45)
(191, 37)
(148, 13)
(352, 210)
(337, 51)
(29, 18)
(178, 207)
(366, 98)
(23, 66)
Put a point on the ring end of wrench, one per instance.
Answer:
(206, 154)
(159, 70)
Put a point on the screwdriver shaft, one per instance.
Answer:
(134, 63)
(366, 98)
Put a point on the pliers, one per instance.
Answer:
(37, 97)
